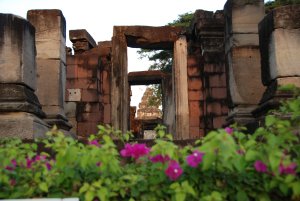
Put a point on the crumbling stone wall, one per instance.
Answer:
(87, 87)
(206, 72)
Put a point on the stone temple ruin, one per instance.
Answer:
(227, 67)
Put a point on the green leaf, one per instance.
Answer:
(84, 188)
(242, 196)
(103, 194)
(89, 196)
(270, 120)
(296, 188)
(251, 155)
(43, 186)
(180, 196)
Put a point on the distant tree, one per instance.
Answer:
(163, 59)
(276, 3)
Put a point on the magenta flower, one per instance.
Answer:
(127, 151)
(135, 151)
(228, 130)
(39, 158)
(95, 143)
(48, 166)
(289, 169)
(98, 164)
(160, 158)
(13, 165)
(29, 163)
(173, 170)
(240, 152)
(260, 166)
(195, 158)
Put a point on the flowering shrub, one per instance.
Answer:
(227, 164)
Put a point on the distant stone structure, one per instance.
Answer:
(227, 68)
(146, 111)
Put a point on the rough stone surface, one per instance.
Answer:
(81, 40)
(244, 75)
(279, 36)
(50, 36)
(22, 125)
(17, 51)
(51, 82)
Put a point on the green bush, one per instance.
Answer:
(227, 164)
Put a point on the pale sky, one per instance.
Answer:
(98, 17)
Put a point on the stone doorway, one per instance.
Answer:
(157, 38)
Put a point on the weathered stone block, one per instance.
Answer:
(194, 132)
(17, 51)
(242, 16)
(70, 109)
(73, 95)
(194, 109)
(81, 40)
(240, 40)
(194, 84)
(195, 95)
(217, 80)
(218, 92)
(22, 125)
(50, 26)
(51, 82)
(244, 75)
(81, 83)
(279, 37)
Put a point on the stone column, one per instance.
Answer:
(180, 87)
(50, 39)
(243, 58)
(20, 110)
(279, 36)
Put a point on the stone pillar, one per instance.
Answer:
(279, 36)
(20, 110)
(243, 58)
(50, 26)
(208, 33)
(180, 88)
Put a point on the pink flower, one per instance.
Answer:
(195, 158)
(289, 169)
(29, 163)
(228, 130)
(13, 165)
(174, 170)
(39, 158)
(48, 166)
(260, 166)
(240, 152)
(159, 158)
(127, 151)
(95, 143)
(98, 164)
(135, 151)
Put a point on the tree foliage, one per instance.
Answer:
(277, 3)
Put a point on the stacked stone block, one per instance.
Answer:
(279, 36)
(20, 110)
(243, 58)
(207, 67)
(87, 88)
(50, 26)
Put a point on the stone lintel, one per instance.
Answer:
(105, 44)
(146, 77)
(149, 37)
